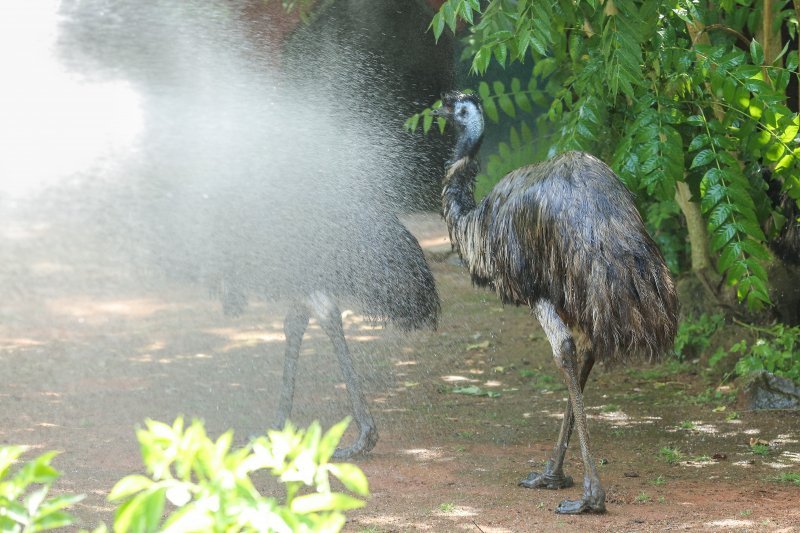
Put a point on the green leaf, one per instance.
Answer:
(500, 53)
(702, 158)
(756, 52)
(351, 477)
(490, 108)
(316, 502)
(330, 440)
(53, 520)
(507, 106)
(699, 141)
(437, 24)
(128, 486)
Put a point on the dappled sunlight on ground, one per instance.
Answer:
(8, 343)
(427, 454)
(93, 310)
(459, 511)
(730, 523)
(459, 379)
(240, 338)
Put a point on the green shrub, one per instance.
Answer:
(694, 335)
(24, 505)
(209, 487)
(203, 484)
(777, 352)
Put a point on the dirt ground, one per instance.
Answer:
(88, 352)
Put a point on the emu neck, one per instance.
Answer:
(458, 199)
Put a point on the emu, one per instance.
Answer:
(366, 258)
(564, 238)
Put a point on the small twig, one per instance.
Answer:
(711, 27)
(479, 527)
(753, 327)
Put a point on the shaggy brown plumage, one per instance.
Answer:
(567, 230)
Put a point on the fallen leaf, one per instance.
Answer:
(478, 346)
(474, 390)
(754, 441)
(719, 456)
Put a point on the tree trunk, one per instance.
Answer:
(696, 226)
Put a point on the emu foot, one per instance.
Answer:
(367, 439)
(593, 502)
(546, 480)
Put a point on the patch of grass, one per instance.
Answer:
(687, 424)
(746, 512)
(669, 368)
(701, 459)
(447, 507)
(659, 481)
(711, 395)
(527, 373)
(671, 455)
(474, 390)
(610, 408)
(643, 497)
(787, 477)
(760, 449)
(733, 415)
(466, 434)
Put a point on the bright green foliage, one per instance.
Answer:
(778, 351)
(787, 477)
(210, 487)
(694, 335)
(666, 91)
(24, 505)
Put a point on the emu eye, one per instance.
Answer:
(463, 111)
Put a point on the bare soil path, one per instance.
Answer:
(88, 352)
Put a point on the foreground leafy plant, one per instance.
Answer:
(24, 505)
(210, 488)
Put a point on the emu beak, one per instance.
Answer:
(443, 112)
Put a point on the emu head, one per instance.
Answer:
(465, 111)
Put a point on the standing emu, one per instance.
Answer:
(362, 257)
(564, 238)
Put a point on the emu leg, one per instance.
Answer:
(294, 327)
(330, 319)
(553, 476)
(564, 353)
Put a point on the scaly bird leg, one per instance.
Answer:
(330, 319)
(553, 476)
(294, 327)
(564, 353)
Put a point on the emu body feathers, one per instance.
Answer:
(567, 230)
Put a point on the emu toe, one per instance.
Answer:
(593, 501)
(545, 480)
(367, 439)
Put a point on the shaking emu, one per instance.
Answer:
(564, 238)
(365, 258)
